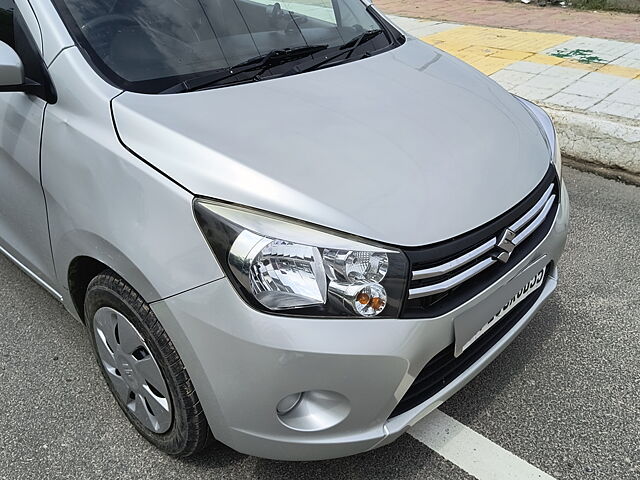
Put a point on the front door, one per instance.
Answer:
(24, 233)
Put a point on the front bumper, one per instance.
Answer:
(243, 362)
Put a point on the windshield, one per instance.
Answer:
(150, 45)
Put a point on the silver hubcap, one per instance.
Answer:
(132, 370)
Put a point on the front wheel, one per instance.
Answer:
(142, 368)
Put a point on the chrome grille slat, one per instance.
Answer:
(533, 212)
(522, 236)
(451, 282)
(524, 227)
(455, 263)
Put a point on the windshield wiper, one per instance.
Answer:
(364, 37)
(254, 67)
(348, 48)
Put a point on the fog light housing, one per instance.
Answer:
(314, 410)
(288, 403)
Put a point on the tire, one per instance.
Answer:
(169, 415)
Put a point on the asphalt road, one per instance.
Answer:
(565, 396)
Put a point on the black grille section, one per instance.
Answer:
(420, 258)
(444, 368)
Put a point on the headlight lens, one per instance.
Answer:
(350, 266)
(546, 125)
(281, 274)
(279, 265)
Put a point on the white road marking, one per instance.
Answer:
(473, 453)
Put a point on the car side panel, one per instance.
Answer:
(106, 203)
(23, 220)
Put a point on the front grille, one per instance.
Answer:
(446, 275)
(444, 368)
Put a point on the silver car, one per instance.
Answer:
(287, 226)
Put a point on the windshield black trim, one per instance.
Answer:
(157, 86)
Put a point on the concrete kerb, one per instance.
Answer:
(613, 142)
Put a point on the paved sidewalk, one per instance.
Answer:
(497, 13)
(590, 86)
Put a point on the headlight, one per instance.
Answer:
(279, 265)
(551, 136)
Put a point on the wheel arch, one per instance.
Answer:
(81, 271)
(83, 265)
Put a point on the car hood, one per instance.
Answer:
(409, 147)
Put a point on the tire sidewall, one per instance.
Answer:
(100, 295)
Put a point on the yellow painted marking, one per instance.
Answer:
(490, 65)
(480, 51)
(545, 59)
(512, 55)
(592, 67)
(450, 47)
(500, 38)
(492, 49)
(618, 71)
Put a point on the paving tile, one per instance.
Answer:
(490, 65)
(469, 58)
(407, 23)
(544, 59)
(480, 50)
(589, 73)
(470, 42)
(532, 93)
(419, 28)
(634, 53)
(423, 29)
(572, 101)
(511, 54)
(450, 47)
(549, 82)
(628, 93)
(591, 50)
(565, 72)
(620, 71)
(600, 78)
(615, 108)
(627, 61)
(590, 67)
(500, 38)
(511, 78)
(599, 90)
(528, 67)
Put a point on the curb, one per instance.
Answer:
(612, 173)
(596, 139)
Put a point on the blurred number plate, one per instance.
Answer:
(530, 287)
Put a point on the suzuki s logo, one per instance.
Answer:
(506, 245)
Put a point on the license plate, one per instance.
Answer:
(534, 284)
